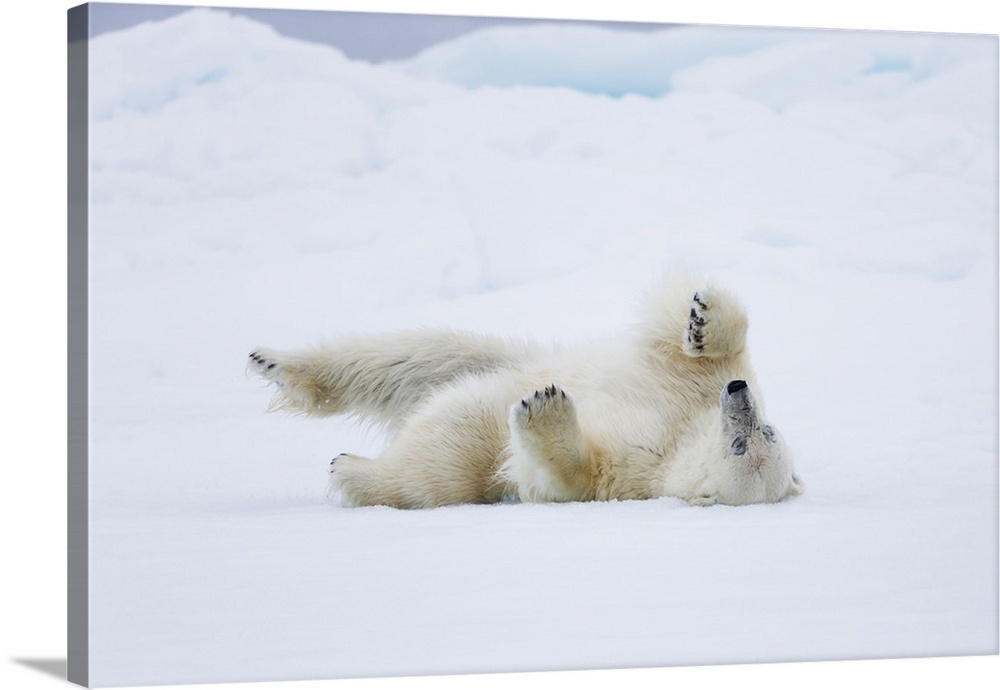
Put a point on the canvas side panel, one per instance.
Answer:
(77, 369)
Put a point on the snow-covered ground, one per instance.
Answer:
(248, 189)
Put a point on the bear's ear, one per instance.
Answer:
(796, 487)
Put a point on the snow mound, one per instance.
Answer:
(580, 57)
(210, 55)
(775, 66)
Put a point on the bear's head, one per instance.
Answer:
(752, 463)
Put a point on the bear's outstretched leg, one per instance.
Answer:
(549, 456)
(716, 325)
(382, 377)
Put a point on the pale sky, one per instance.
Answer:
(360, 35)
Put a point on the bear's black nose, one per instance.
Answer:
(735, 386)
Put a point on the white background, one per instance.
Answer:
(33, 271)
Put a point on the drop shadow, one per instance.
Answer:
(51, 667)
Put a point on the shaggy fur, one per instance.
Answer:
(672, 409)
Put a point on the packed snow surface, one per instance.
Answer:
(248, 189)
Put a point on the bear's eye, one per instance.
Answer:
(768, 433)
(739, 445)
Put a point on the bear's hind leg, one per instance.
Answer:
(408, 482)
(384, 377)
(549, 457)
(445, 455)
(359, 482)
(385, 481)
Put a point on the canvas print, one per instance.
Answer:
(416, 345)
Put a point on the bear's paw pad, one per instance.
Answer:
(262, 363)
(548, 405)
(695, 336)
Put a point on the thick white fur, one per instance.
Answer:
(476, 419)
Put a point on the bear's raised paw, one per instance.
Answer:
(547, 407)
(695, 337)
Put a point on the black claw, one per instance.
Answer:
(272, 365)
(524, 404)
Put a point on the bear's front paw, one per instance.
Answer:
(264, 363)
(697, 327)
(546, 407)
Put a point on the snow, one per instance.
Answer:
(248, 189)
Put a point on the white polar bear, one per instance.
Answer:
(672, 409)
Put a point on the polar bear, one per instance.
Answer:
(670, 409)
